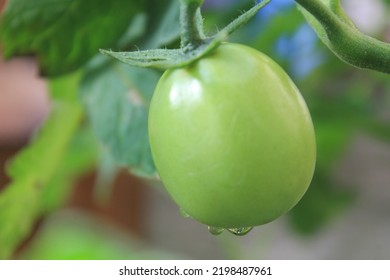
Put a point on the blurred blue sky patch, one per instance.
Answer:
(300, 51)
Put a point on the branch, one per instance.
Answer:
(348, 43)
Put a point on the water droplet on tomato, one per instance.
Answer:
(215, 230)
(240, 231)
(184, 213)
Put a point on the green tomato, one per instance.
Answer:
(232, 138)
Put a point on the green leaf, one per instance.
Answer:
(35, 171)
(116, 98)
(31, 171)
(63, 34)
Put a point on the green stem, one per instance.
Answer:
(348, 43)
(194, 44)
(191, 24)
(244, 18)
(320, 12)
(198, 2)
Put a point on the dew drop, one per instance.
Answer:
(240, 231)
(184, 213)
(215, 230)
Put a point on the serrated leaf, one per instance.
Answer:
(64, 34)
(116, 98)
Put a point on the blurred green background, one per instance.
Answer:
(82, 185)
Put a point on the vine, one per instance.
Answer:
(337, 31)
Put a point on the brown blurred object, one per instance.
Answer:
(2, 5)
(24, 104)
(4, 156)
(24, 101)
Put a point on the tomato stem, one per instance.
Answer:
(191, 22)
(347, 42)
(194, 43)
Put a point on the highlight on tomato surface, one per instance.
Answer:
(232, 139)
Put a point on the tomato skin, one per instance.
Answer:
(232, 138)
